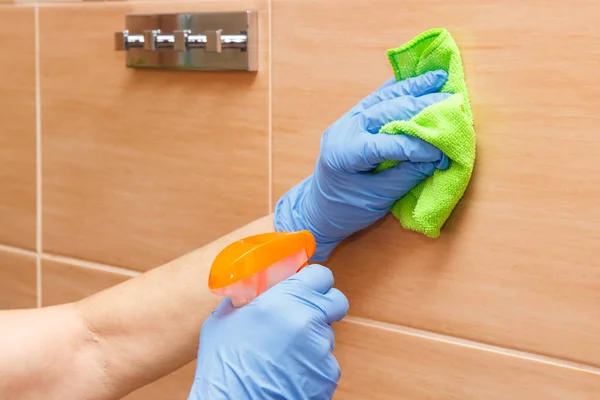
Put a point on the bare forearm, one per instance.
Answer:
(48, 354)
(117, 340)
(149, 326)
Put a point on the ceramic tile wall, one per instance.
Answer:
(17, 136)
(66, 282)
(138, 167)
(17, 280)
(142, 162)
(523, 240)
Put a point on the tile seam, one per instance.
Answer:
(270, 105)
(396, 328)
(38, 152)
(90, 265)
(17, 250)
(490, 348)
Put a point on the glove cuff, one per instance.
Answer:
(291, 216)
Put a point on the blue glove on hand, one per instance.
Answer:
(276, 347)
(341, 197)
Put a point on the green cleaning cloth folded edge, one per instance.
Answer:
(448, 125)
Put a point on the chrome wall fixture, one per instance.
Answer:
(193, 41)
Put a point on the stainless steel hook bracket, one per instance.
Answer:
(194, 41)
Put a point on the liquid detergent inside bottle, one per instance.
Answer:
(246, 268)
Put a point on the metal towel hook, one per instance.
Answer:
(228, 42)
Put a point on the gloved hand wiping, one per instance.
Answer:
(342, 197)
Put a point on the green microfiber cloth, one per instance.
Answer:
(448, 125)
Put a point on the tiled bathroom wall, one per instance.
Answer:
(108, 172)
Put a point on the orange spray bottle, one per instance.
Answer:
(246, 268)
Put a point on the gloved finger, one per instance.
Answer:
(330, 337)
(387, 83)
(395, 182)
(224, 307)
(372, 97)
(334, 304)
(443, 164)
(429, 82)
(333, 367)
(383, 147)
(315, 277)
(398, 109)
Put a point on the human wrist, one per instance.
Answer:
(292, 214)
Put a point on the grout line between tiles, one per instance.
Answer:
(270, 107)
(558, 362)
(90, 265)
(17, 250)
(38, 163)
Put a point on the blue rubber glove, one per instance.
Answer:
(276, 347)
(341, 197)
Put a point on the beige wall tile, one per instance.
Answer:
(517, 263)
(17, 136)
(142, 166)
(65, 283)
(17, 281)
(44, 1)
(382, 364)
(175, 386)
